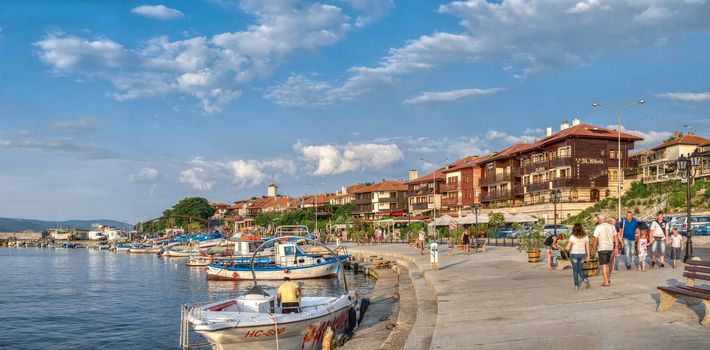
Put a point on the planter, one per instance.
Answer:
(591, 268)
(534, 255)
(459, 246)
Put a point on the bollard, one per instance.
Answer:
(434, 255)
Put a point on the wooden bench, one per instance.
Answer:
(692, 295)
(479, 245)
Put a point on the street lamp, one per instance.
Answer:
(688, 168)
(315, 203)
(618, 149)
(476, 210)
(555, 198)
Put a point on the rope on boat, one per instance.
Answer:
(276, 329)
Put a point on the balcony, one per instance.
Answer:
(538, 186)
(388, 200)
(420, 206)
(420, 192)
(449, 186)
(495, 195)
(450, 201)
(549, 164)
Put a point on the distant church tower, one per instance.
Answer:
(272, 189)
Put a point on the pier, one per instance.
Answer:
(497, 300)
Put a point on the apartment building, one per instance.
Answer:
(386, 198)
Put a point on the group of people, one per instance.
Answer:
(614, 242)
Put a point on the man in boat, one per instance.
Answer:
(288, 296)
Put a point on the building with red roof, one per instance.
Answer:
(385, 198)
(660, 163)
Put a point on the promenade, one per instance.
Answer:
(497, 300)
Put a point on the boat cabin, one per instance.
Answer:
(289, 254)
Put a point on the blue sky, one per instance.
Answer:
(117, 109)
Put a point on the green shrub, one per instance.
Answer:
(676, 199)
(638, 190)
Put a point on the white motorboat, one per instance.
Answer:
(288, 261)
(198, 261)
(179, 253)
(255, 321)
(145, 250)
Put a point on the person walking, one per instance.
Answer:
(629, 230)
(378, 236)
(659, 237)
(614, 264)
(466, 240)
(420, 241)
(605, 240)
(677, 245)
(642, 249)
(578, 246)
(450, 245)
(551, 243)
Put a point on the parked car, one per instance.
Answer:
(507, 232)
(695, 221)
(701, 230)
(550, 229)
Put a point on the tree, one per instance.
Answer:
(196, 207)
(495, 222)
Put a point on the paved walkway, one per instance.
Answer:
(496, 300)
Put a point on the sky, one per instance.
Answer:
(118, 109)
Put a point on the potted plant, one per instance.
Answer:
(531, 240)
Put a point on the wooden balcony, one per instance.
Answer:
(549, 164)
(420, 206)
(449, 186)
(450, 201)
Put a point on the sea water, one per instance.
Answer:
(94, 299)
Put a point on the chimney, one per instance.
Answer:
(413, 174)
(575, 122)
(564, 125)
(343, 190)
(548, 131)
(676, 135)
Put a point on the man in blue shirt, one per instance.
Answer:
(630, 230)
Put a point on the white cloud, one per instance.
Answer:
(160, 12)
(651, 138)
(203, 175)
(450, 96)
(212, 70)
(372, 10)
(687, 96)
(338, 159)
(525, 38)
(587, 5)
(145, 176)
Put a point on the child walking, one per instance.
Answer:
(451, 245)
(677, 245)
(642, 249)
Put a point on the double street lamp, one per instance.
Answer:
(618, 150)
(688, 169)
(555, 196)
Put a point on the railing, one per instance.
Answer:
(548, 164)
(448, 201)
(420, 206)
(420, 192)
(388, 200)
(538, 186)
(496, 195)
(449, 186)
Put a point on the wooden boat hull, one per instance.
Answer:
(300, 335)
(324, 270)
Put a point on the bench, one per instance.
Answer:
(479, 245)
(692, 295)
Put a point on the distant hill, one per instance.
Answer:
(17, 225)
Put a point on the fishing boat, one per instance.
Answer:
(176, 253)
(145, 249)
(254, 320)
(288, 261)
(198, 261)
(123, 248)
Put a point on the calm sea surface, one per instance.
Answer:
(91, 299)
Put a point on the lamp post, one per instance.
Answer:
(688, 167)
(555, 198)
(315, 203)
(618, 149)
(476, 210)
